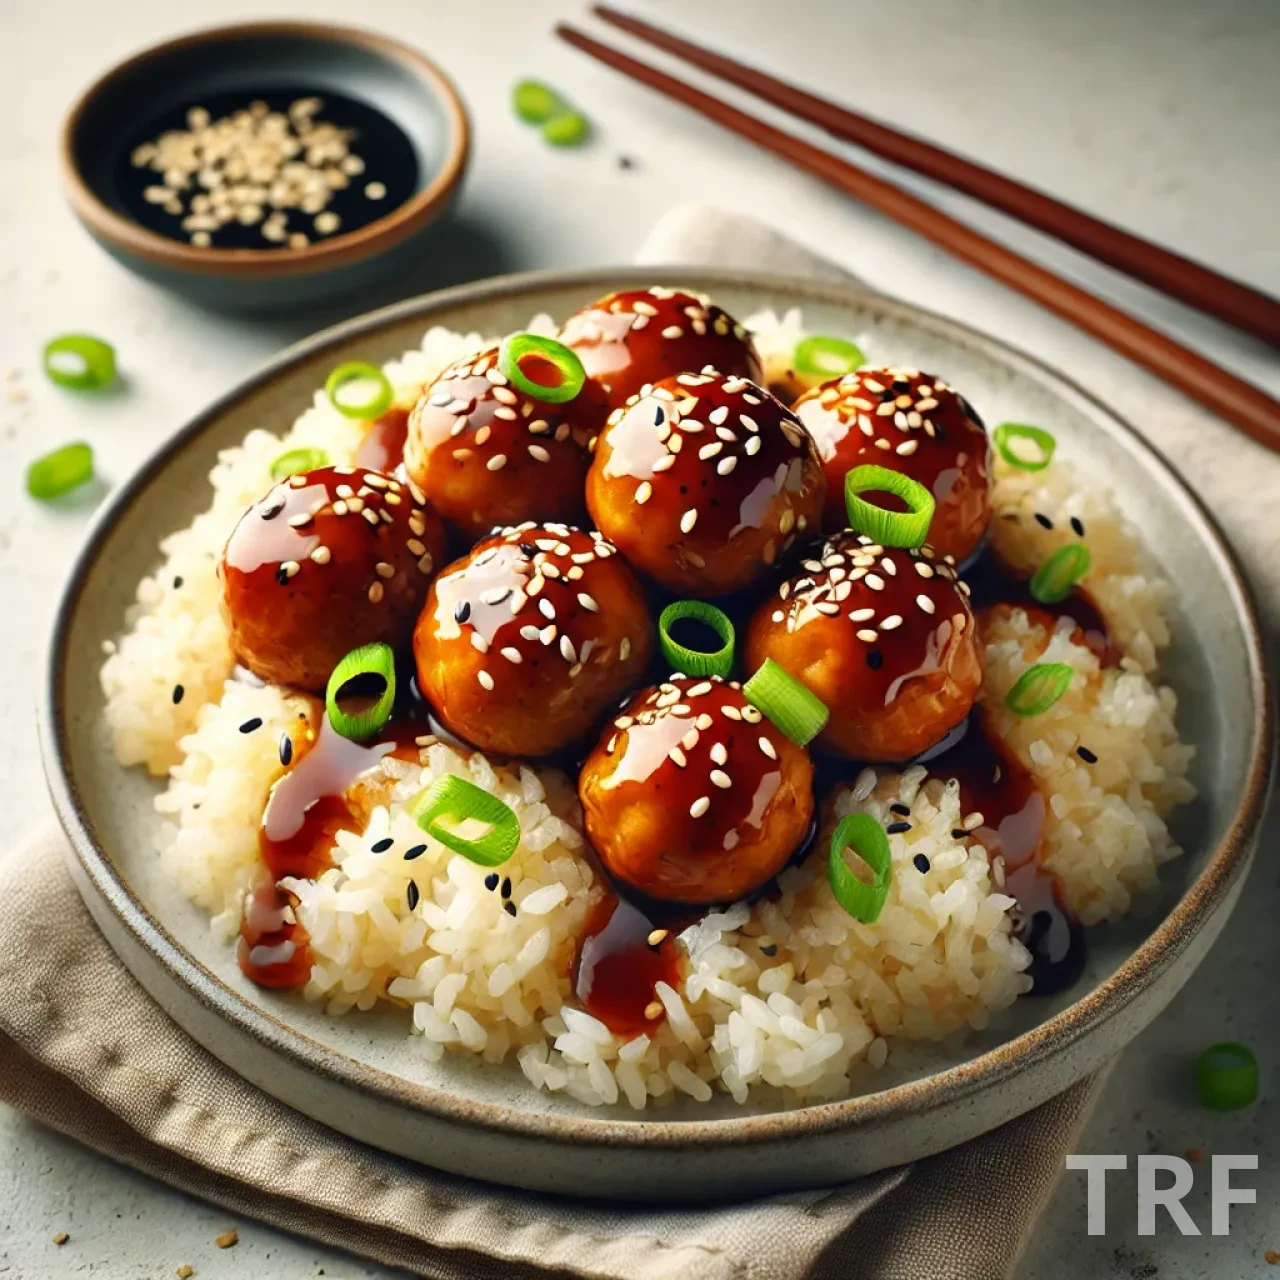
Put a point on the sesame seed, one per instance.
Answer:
(900, 808)
(673, 331)
(721, 779)
(891, 623)
(874, 659)
(381, 846)
(703, 721)
(178, 694)
(506, 886)
(384, 570)
(415, 852)
(752, 447)
(752, 715)
(921, 863)
(678, 757)
(688, 520)
(509, 908)
(1077, 526)
(767, 747)
(925, 603)
(698, 690)
(547, 634)
(624, 649)
(1043, 520)
(897, 828)
(653, 1010)
(699, 806)
(719, 753)
(710, 450)
(511, 654)
(289, 568)
(867, 634)
(485, 679)
(588, 602)
(376, 592)
(249, 726)
(497, 462)
(495, 595)
(861, 615)
(546, 608)
(1086, 755)
(644, 492)
(690, 740)
(972, 822)
(567, 651)
(412, 895)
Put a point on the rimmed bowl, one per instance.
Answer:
(255, 59)
(360, 1074)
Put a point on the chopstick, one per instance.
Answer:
(1239, 402)
(1178, 277)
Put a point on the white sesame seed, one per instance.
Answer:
(720, 753)
(547, 634)
(624, 649)
(690, 740)
(479, 643)
(703, 721)
(497, 462)
(748, 422)
(861, 615)
(875, 582)
(511, 654)
(529, 632)
(678, 757)
(321, 555)
(726, 465)
(567, 651)
(892, 622)
(485, 679)
(688, 520)
(495, 595)
(644, 492)
(752, 715)
(721, 779)
(538, 453)
(767, 747)
(289, 568)
(717, 416)
(673, 331)
(752, 446)
(710, 450)
(925, 603)
(384, 570)
(699, 806)
(867, 634)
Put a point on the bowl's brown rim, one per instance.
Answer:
(1228, 861)
(336, 251)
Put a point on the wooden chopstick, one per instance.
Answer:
(1239, 402)
(1179, 277)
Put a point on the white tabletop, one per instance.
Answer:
(1157, 115)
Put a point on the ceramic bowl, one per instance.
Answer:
(361, 1074)
(254, 59)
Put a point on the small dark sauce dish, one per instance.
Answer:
(410, 122)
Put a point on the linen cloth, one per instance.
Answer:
(84, 1049)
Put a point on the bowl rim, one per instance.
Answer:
(1228, 861)
(350, 247)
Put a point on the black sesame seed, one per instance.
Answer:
(177, 582)
(178, 692)
(921, 863)
(900, 808)
(250, 725)
(491, 881)
(897, 828)
(382, 845)
(506, 887)
(281, 576)
(509, 908)
(901, 384)
(769, 949)
(462, 611)
(416, 852)
(272, 511)
(874, 659)
(286, 748)
(1086, 755)
(1077, 526)
(413, 895)
(626, 162)
(959, 833)
(529, 549)
(659, 417)
(1043, 520)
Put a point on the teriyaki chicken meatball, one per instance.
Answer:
(704, 482)
(326, 562)
(883, 636)
(527, 641)
(910, 422)
(692, 796)
(640, 336)
(487, 454)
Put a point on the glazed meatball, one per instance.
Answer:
(914, 423)
(704, 482)
(528, 640)
(326, 562)
(884, 637)
(693, 796)
(631, 339)
(486, 454)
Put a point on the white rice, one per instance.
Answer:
(782, 999)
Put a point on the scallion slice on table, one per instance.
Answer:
(796, 711)
(544, 355)
(80, 361)
(371, 664)
(1055, 579)
(889, 528)
(825, 357)
(295, 461)
(567, 130)
(1038, 688)
(455, 801)
(1227, 1077)
(535, 102)
(61, 471)
(865, 836)
(359, 390)
(697, 662)
(1023, 446)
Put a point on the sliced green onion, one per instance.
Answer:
(520, 346)
(80, 361)
(370, 661)
(793, 708)
(535, 102)
(888, 528)
(568, 130)
(695, 662)
(1007, 433)
(1054, 579)
(1226, 1077)
(359, 390)
(1038, 688)
(460, 801)
(60, 471)
(295, 461)
(826, 357)
(865, 836)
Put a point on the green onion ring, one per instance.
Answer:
(519, 345)
(1038, 688)
(1226, 1077)
(567, 130)
(888, 528)
(535, 102)
(1055, 579)
(866, 837)
(1007, 432)
(344, 375)
(60, 471)
(458, 800)
(80, 361)
(295, 461)
(825, 357)
(368, 660)
(694, 662)
(799, 713)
